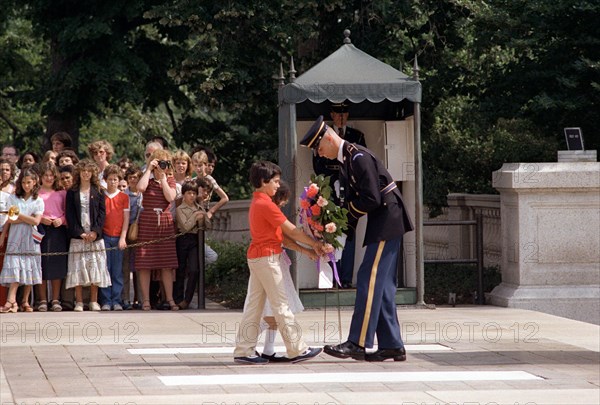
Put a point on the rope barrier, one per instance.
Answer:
(129, 246)
(229, 230)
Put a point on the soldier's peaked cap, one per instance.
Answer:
(339, 107)
(314, 134)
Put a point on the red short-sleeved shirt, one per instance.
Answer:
(115, 210)
(265, 220)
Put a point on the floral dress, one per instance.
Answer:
(87, 260)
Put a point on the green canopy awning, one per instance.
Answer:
(353, 75)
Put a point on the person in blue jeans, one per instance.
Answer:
(114, 233)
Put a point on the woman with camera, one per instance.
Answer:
(158, 260)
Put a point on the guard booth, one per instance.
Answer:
(382, 102)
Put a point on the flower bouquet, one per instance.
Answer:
(325, 221)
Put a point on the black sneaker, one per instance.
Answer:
(308, 354)
(254, 359)
(274, 358)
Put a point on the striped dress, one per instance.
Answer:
(161, 255)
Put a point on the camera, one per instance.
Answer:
(163, 164)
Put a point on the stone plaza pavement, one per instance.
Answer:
(463, 355)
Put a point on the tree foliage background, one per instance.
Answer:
(501, 78)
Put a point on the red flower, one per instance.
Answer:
(315, 209)
(305, 204)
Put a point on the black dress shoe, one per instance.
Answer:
(385, 354)
(345, 350)
(346, 286)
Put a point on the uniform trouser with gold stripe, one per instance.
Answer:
(375, 305)
(266, 281)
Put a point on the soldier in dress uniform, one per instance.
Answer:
(331, 167)
(369, 190)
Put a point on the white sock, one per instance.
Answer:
(269, 348)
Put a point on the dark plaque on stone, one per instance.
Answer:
(574, 138)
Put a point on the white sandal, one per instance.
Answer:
(56, 307)
(43, 306)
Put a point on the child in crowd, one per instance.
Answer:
(4, 200)
(66, 176)
(189, 213)
(85, 220)
(122, 185)
(22, 269)
(212, 162)
(54, 268)
(114, 233)
(8, 172)
(27, 159)
(182, 163)
(200, 163)
(124, 163)
(50, 156)
(132, 176)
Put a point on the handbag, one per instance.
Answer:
(37, 233)
(132, 232)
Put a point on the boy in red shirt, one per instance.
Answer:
(114, 233)
(267, 227)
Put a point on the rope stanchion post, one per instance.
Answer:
(201, 266)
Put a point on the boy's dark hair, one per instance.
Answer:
(132, 170)
(204, 183)
(212, 158)
(282, 194)
(189, 185)
(262, 172)
(112, 169)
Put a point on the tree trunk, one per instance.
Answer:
(59, 120)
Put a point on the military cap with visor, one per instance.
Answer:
(314, 134)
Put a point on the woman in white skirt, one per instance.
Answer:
(85, 219)
(281, 198)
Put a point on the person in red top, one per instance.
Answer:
(268, 225)
(114, 232)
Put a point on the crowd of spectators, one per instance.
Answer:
(69, 240)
